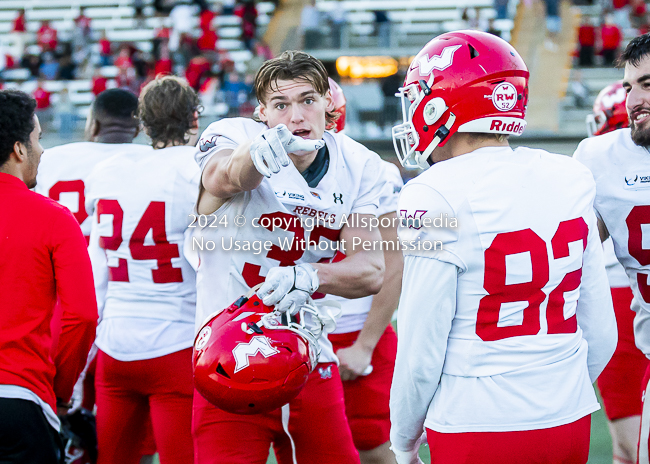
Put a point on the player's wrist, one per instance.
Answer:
(306, 278)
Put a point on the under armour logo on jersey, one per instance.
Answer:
(439, 62)
(243, 351)
(339, 198)
(207, 144)
(325, 372)
(412, 221)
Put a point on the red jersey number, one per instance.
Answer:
(638, 217)
(522, 241)
(162, 251)
(289, 256)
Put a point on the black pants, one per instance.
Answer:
(25, 434)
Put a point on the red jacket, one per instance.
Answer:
(41, 259)
(19, 24)
(47, 37)
(587, 35)
(42, 98)
(611, 36)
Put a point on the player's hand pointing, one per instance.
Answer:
(269, 150)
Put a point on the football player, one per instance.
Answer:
(364, 340)
(279, 196)
(620, 165)
(139, 203)
(620, 382)
(505, 318)
(111, 126)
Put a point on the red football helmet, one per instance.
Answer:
(339, 106)
(249, 359)
(609, 111)
(462, 81)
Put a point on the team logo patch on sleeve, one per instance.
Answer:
(207, 144)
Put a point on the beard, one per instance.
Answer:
(640, 137)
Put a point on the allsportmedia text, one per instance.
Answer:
(290, 243)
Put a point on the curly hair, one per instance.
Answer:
(167, 110)
(292, 65)
(16, 121)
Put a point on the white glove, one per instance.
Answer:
(289, 288)
(410, 457)
(270, 149)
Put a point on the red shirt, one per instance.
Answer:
(19, 24)
(205, 19)
(587, 35)
(42, 98)
(163, 67)
(39, 261)
(207, 41)
(99, 85)
(46, 37)
(105, 46)
(611, 36)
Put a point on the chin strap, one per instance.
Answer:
(441, 134)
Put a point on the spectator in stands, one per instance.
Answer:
(33, 63)
(82, 23)
(39, 263)
(183, 19)
(123, 59)
(228, 7)
(248, 13)
(208, 40)
(138, 11)
(43, 103)
(236, 93)
(638, 14)
(67, 68)
(99, 82)
(46, 36)
(65, 112)
(621, 13)
(164, 64)
(105, 55)
(162, 7)
(161, 36)
(501, 6)
(49, 70)
(339, 25)
(197, 69)
(18, 33)
(611, 37)
(205, 19)
(310, 26)
(586, 42)
(382, 28)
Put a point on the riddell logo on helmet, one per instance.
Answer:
(502, 126)
(504, 96)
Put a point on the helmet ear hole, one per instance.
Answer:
(433, 110)
(222, 371)
(473, 53)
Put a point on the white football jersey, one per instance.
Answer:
(355, 311)
(140, 205)
(517, 228)
(615, 272)
(283, 222)
(63, 171)
(621, 170)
